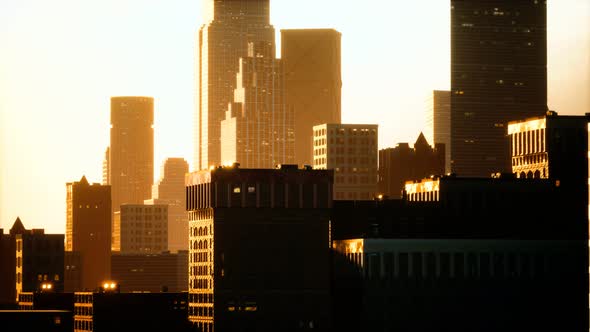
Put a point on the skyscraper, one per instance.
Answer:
(258, 129)
(131, 159)
(438, 123)
(313, 83)
(88, 235)
(170, 190)
(498, 74)
(223, 39)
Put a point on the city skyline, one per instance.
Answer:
(78, 103)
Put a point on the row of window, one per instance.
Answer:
(423, 265)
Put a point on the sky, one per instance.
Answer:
(62, 60)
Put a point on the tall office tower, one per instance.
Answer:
(88, 235)
(131, 157)
(402, 163)
(351, 151)
(140, 229)
(313, 83)
(259, 258)
(258, 129)
(170, 190)
(438, 123)
(498, 74)
(105, 167)
(229, 26)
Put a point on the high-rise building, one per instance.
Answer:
(313, 83)
(258, 129)
(438, 123)
(223, 39)
(259, 257)
(139, 228)
(88, 235)
(351, 151)
(402, 163)
(131, 156)
(498, 74)
(170, 190)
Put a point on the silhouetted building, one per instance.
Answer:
(402, 163)
(111, 311)
(438, 123)
(88, 235)
(170, 190)
(140, 228)
(313, 83)
(223, 40)
(258, 128)
(467, 253)
(7, 277)
(498, 74)
(554, 147)
(158, 272)
(259, 257)
(30, 258)
(131, 154)
(37, 320)
(351, 151)
(46, 300)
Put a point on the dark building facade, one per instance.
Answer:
(258, 128)
(402, 163)
(131, 154)
(260, 242)
(469, 254)
(88, 235)
(7, 263)
(222, 41)
(498, 74)
(113, 312)
(151, 272)
(37, 320)
(313, 83)
(30, 258)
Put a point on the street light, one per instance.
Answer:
(46, 287)
(110, 286)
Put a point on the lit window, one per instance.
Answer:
(237, 190)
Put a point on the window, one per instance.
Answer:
(237, 190)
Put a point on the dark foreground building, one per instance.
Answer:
(462, 254)
(29, 258)
(36, 320)
(114, 312)
(259, 257)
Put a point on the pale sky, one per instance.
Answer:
(61, 61)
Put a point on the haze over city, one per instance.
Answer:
(61, 61)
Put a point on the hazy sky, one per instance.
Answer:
(61, 60)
